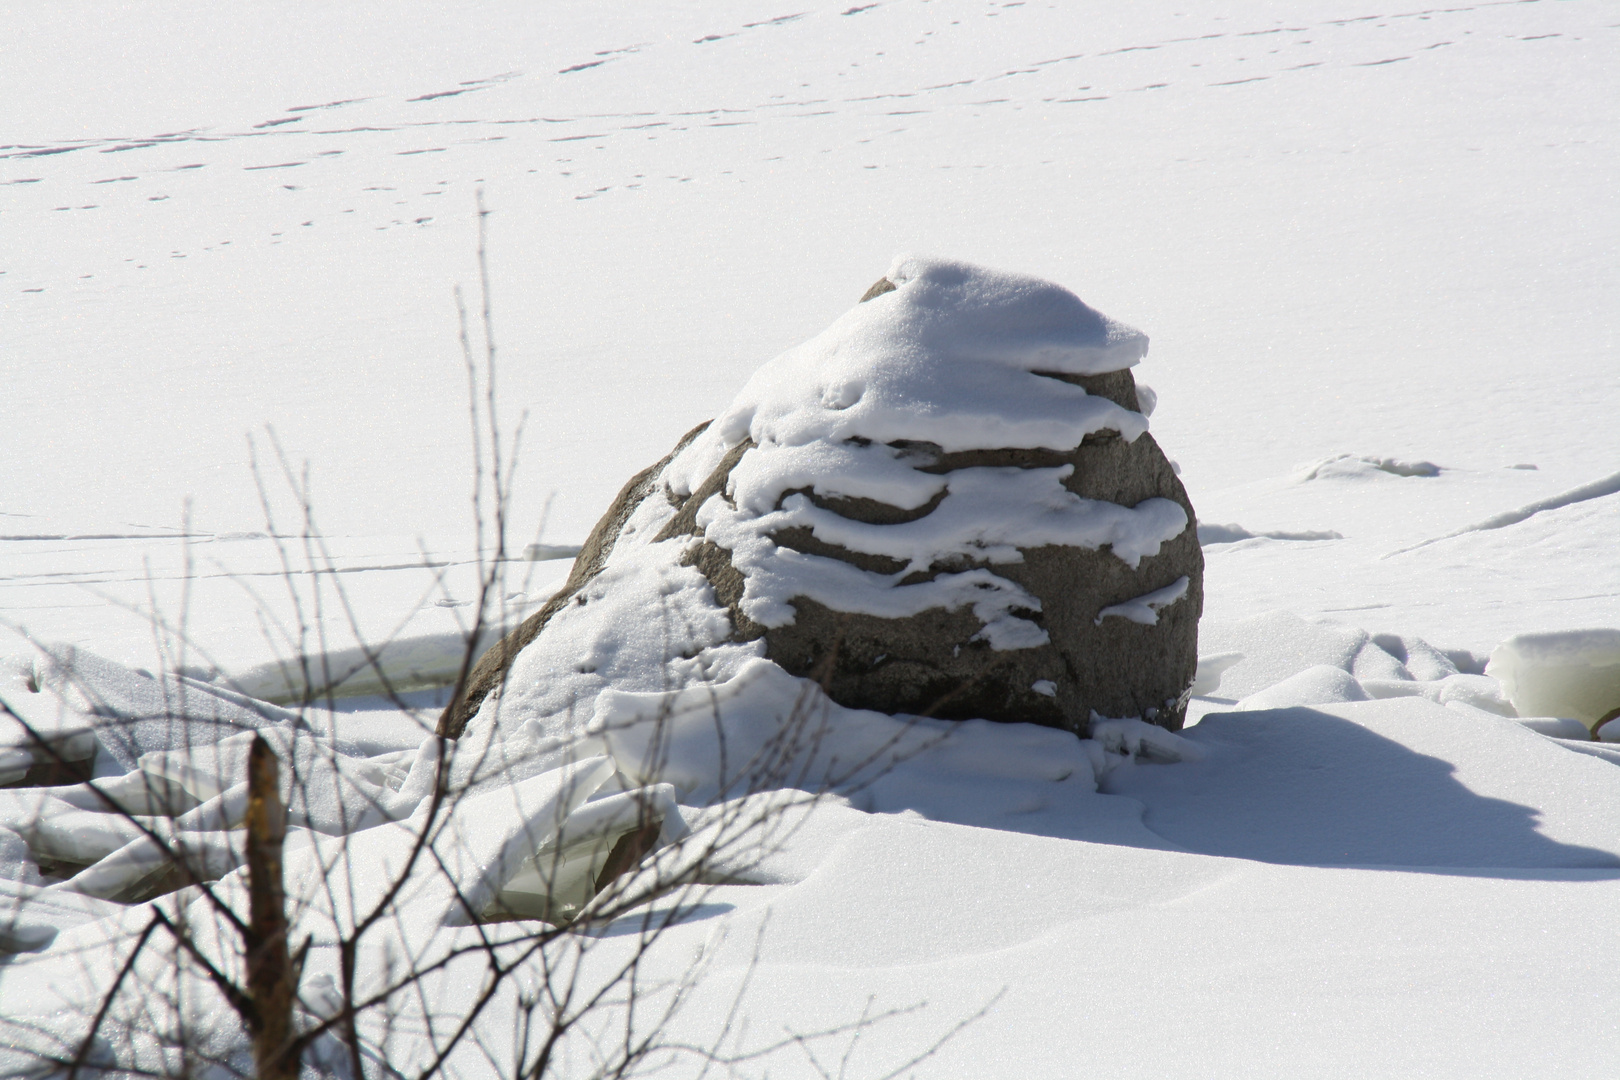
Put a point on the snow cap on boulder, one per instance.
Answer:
(947, 356)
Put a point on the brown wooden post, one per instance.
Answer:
(271, 981)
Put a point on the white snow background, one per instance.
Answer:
(1377, 251)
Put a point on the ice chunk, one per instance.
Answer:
(81, 826)
(14, 764)
(475, 850)
(57, 829)
(489, 854)
(560, 878)
(95, 701)
(1211, 669)
(125, 873)
(396, 666)
(322, 787)
(16, 860)
(1570, 673)
(1319, 685)
(131, 793)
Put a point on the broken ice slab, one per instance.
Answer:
(14, 764)
(564, 873)
(547, 552)
(37, 728)
(31, 915)
(1569, 673)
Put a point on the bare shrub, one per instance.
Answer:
(298, 944)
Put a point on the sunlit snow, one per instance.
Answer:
(1376, 254)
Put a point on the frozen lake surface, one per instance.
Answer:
(1376, 250)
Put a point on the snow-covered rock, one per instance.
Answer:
(1318, 685)
(947, 503)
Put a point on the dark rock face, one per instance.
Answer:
(936, 662)
(929, 664)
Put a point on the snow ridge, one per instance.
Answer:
(1596, 489)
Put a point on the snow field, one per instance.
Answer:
(1114, 833)
(1374, 247)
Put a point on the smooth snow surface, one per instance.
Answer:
(1390, 783)
(1376, 249)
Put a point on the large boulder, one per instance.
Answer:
(946, 504)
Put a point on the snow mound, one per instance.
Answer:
(765, 729)
(535, 815)
(1318, 685)
(1363, 467)
(1279, 644)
